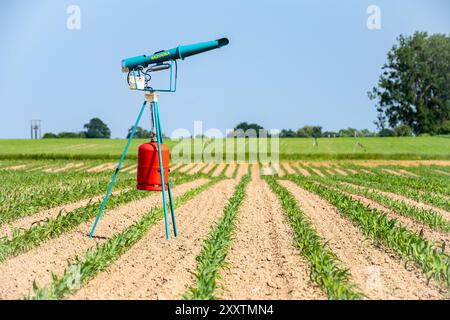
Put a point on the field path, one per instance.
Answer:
(155, 268)
(378, 272)
(29, 221)
(17, 273)
(263, 262)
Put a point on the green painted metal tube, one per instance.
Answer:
(179, 52)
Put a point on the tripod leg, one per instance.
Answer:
(161, 168)
(172, 212)
(169, 189)
(117, 170)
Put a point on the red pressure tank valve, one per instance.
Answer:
(148, 171)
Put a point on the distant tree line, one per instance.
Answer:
(315, 131)
(95, 129)
(310, 131)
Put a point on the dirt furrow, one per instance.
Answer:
(175, 167)
(340, 171)
(103, 167)
(68, 166)
(155, 268)
(445, 214)
(242, 171)
(442, 172)
(381, 274)
(288, 167)
(277, 168)
(230, 170)
(197, 168)
(302, 170)
(17, 274)
(186, 168)
(41, 217)
(263, 262)
(218, 170)
(417, 227)
(129, 168)
(208, 168)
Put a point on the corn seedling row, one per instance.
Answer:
(430, 218)
(98, 259)
(376, 225)
(24, 240)
(327, 270)
(215, 247)
(387, 184)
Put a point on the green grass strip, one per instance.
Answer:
(326, 269)
(375, 224)
(98, 259)
(25, 240)
(430, 218)
(215, 248)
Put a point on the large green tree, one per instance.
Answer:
(309, 131)
(96, 128)
(414, 88)
(255, 129)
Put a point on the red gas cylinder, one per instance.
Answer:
(148, 173)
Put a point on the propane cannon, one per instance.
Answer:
(180, 52)
(153, 157)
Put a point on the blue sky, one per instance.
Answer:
(289, 63)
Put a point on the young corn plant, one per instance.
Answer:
(215, 248)
(327, 270)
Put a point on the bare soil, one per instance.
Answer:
(197, 168)
(288, 167)
(263, 262)
(404, 163)
(302, 170)
(378, 272)
(103, 167)
(218, 170)
(187, 168)
(341, 172)
(230, 170)
(155, 268)
(208, 168)
(242, 171)
(17, 273)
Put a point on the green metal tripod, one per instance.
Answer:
(150, 97)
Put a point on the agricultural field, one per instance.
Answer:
(294, 149)
(300, 229)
